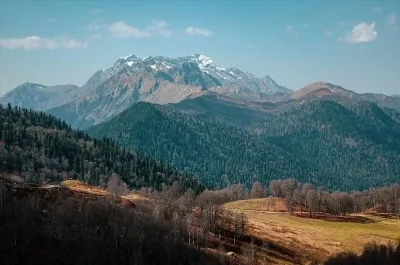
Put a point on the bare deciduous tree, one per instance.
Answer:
(257, 191)
(312, 201)
(116, 185)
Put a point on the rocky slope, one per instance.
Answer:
(159, 80)
(131, 79)
(131, 85)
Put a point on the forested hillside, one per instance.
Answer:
(321, 142)
(352, 147)
(235, 112)
(41, 148)
(217, 152)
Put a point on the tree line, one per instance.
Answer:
(306, 197)
(372, 254)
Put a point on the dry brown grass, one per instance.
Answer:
(135, 197)
(78, 186)
(261, 205)
(314, 238)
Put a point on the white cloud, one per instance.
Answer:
(36, 43)
(48, 20)
(306, 25)
(290, 31)
(199, 32)
(120, 29)
(361, 33)
(250, 46)
(158, 28)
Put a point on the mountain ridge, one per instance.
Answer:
(164, 80)
(155, 79)
(318, 141)
(323, 90)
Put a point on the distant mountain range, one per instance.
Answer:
(228, 126)
(165, 80)
(131, 79)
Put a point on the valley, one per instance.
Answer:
(199, 132)
(190, 157)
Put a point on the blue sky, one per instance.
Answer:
(355, 44)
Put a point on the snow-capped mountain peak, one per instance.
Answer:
(203, 61)
(128, 60)
(224, 76)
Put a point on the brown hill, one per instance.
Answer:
(323, 88)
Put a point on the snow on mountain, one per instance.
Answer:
(126, 88)
(234, 75)
(130, 79)
(230, 75)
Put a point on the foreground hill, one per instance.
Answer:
(341, 147)
(68, 226)
(41, 148)
(75, 223)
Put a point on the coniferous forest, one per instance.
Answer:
(340, 147)
(43, 149)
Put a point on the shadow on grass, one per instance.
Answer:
(268, 248)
